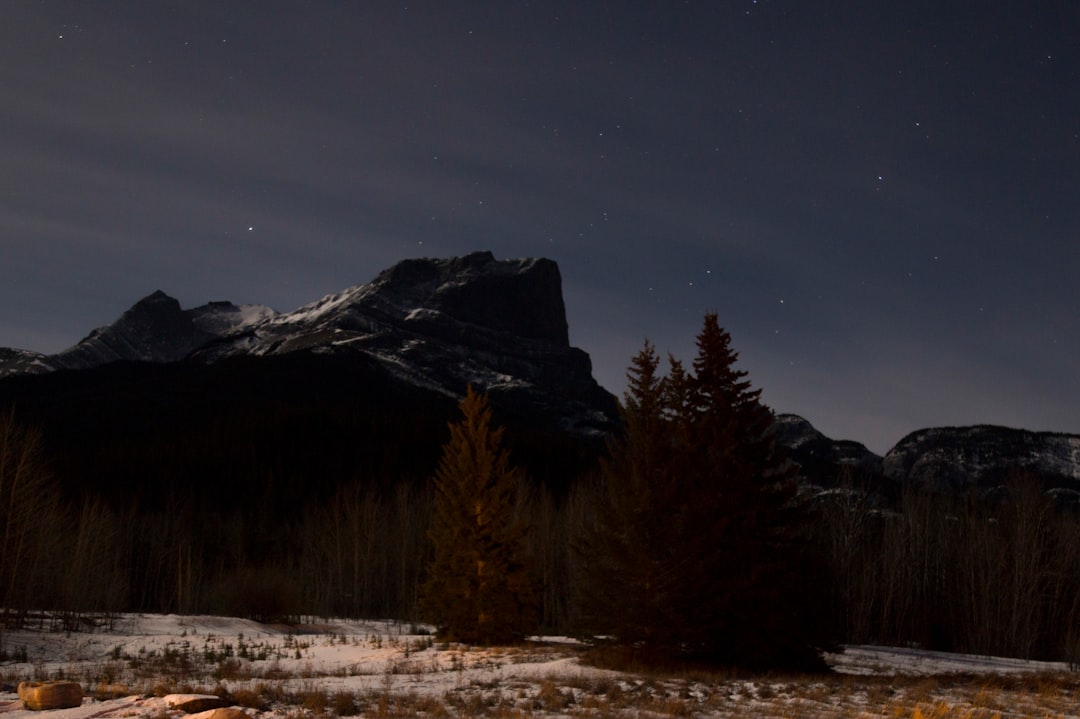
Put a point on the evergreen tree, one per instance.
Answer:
(627, 574)
(479, 588)
(759, 598)
(702, 551)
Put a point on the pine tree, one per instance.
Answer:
(479, 588)
(702, 544)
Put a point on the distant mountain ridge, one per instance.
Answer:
(154, 329)
(955, 458)
(439, 324)
(435, 325)
(943, 459)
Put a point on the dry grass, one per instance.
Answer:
(658, 695)
(600, 684)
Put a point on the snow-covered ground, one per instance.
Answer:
(389, 668)
(893, 661)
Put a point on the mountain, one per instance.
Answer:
(825, 462)
(943, 459)
(155, 329)
(429, 323)
(443, 324)
(982, 456)
(237, 406)
(392, 356)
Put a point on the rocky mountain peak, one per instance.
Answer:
(522, 296)
(155, 329)
(499, 325)
(157, 298)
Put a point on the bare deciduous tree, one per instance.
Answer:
(28, 502)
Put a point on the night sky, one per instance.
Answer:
(881, 200)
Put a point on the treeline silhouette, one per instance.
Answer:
(300, 485)
(984, 572)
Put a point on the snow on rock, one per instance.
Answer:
(16, 361)
(354, 656)
(224, 318)
(873, 660)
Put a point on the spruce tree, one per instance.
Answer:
(703, 544)
(479, 588)
(626, 579)
(759, 598)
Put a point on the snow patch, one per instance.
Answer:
(422, 313)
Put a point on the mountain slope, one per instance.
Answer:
(825, 462)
